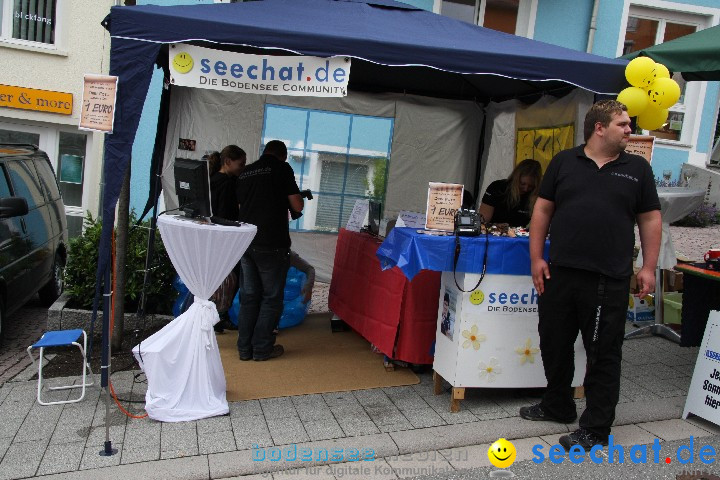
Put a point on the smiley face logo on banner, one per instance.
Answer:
(182, 62)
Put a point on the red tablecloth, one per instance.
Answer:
(396, 315)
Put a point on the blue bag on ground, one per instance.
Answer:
(294, 309)
(184, 298)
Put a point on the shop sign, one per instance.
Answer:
(98, 103)
(703, 397)
(303, 76)
(37, 100)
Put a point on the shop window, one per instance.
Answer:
(29, 20)
(70, 168)
(647, 27)
(501, 15)
(340, 157)
(13, 136)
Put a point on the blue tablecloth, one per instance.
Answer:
(412, 251)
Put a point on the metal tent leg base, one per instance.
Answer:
(108, 450)
(656, 329)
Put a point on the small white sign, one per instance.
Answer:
(302, 76)
(410, 219)
(703, 397)
(358, 217)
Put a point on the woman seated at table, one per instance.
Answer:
(511, 200)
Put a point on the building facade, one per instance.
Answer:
(612, 28)
(46, 46)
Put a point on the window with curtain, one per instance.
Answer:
(339, 157)
(647, 27)
(28, 20)
(501, 15)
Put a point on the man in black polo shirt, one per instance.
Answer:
(591, 196)
(266, 190)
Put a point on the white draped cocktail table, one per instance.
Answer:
(675, 203)
(182, 361)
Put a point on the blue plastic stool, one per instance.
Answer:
(61, 338)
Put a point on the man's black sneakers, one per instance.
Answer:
(536, 412)
(584, 438)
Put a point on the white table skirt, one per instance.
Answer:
(182, 362)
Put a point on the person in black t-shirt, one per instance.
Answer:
(511, 200)
(224, 170)
(266, 191)
(592, 195)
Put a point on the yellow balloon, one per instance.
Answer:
(663, 93)
(640, 72)
(661, 71)
(652, 118)
(635, 99)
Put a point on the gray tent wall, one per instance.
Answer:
(433, 140)
(505, 118)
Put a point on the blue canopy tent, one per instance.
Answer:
(394, 48)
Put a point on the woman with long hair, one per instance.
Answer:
(224, 170)
(511, 200)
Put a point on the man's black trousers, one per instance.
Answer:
(594, 305)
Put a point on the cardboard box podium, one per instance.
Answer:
(489, 337)
(641, 309)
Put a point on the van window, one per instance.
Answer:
(47, 179)
(4, 187)
(24, 183)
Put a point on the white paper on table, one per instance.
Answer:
(359, 216)
(410, 219)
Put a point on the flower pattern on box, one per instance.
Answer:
(472, 338)
(527, 352)
(490, 369)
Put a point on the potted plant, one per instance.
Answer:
(74, 307)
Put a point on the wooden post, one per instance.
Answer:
(458, 394)
(437, 383)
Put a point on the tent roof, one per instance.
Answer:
(377, 34)
(696, 56)
(395, 47)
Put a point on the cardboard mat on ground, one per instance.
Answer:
(315, 361)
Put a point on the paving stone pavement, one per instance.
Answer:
(21, 329)
(409, 429)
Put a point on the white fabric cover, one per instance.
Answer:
(182, 361)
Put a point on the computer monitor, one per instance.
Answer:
(192, 186)
(374, 212)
